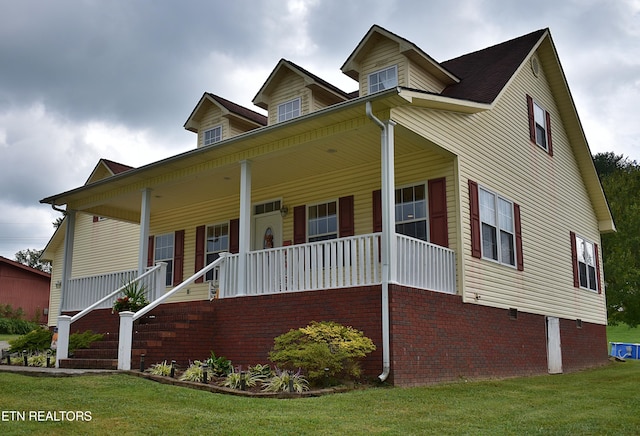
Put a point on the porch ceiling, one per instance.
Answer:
(311, 147)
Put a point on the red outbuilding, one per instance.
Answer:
(24, 287)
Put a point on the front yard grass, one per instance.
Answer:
(600, 401)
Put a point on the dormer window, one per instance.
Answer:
(289, 110)
(383, 79)
(212, 136)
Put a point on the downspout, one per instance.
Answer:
(386, 360)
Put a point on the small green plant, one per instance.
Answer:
(83, 340)
(195, 372)
(133, 298)
(284, 381)
(162, 368)
(322, 345)
(263, 371)
(39, 360)
(234, 379)
(220, 366)
(36, 340)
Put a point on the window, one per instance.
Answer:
(212, 136)
(539, 125)
(539, 118)
(322, 221)
(587, 269)
(270, 206)
(497, 228)
(163, 252)
(289, 110)
(383, 79)
(411, 212)
(217, 242)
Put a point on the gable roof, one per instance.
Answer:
(310, 79)
(14, 264)
(407, 48)
(484, 74)
(106, 168)
(228, 107)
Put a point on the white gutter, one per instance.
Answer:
(386, 359)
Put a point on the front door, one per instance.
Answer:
(267, 231)
(554, 349)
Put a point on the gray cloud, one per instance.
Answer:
(82, 80)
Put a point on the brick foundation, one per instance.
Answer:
(435, 337)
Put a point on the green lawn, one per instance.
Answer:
(623, 333)
(601, 401)
(7, 337)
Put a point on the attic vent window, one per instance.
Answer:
(212, 136)
(535, 66)
(383, 79)
(289, 110)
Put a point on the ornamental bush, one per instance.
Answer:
(321, 345)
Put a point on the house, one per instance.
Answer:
(449, 210)
(26, 288)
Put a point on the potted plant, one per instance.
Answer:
(133, 298)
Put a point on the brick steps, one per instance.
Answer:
(163, 335)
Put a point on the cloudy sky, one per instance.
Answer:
(82, 80)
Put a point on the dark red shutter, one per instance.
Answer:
(574, 260)
(518, 225)
(300, 224)
(474, 211)
(200, 239)
(178, 257)
(96, 218)
(596, 254)
(532, 121)
(377, 211)
(438, 224)
(549, 143)
(234, 236)
(345, 212)
(150, 253)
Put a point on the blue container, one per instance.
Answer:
(625, 350)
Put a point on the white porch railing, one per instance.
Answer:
(329, 264)
(82, 292)
(423, 265)
(155, 276)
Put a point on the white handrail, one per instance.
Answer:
(148, 308)
(79, 315)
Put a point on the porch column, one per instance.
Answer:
(69, 237)
(388, 203)
(245, 225)
(145, 216)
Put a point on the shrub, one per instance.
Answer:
(322, 345)
(282, 380)
(220, 366)
(83, 340)
(39, 360)
(14, 326)
(163, 368)
(38, 339)
(6, 311)
(234, 379)
(195, 372)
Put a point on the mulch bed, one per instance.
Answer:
(255, 392)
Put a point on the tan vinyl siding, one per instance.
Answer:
(545, 187)
(104, 246)
(289, 87)
(383, 55)
(210, 119)
(56, 276)
(420, 79)
(359, 181)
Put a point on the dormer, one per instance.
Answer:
(383, 60)
(291, 91)
(215, 119)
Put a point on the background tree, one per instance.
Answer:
(32, 258)
(620, 179)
